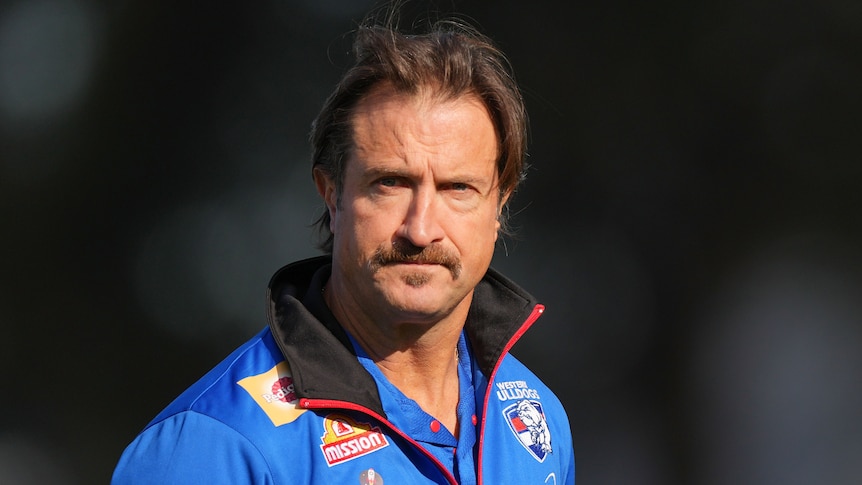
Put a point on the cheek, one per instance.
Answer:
(367, 227)
(479, 238)
(345, 216)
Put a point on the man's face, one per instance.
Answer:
(418, 216)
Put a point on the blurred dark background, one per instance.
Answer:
(690, 220)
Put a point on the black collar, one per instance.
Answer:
(319, 352)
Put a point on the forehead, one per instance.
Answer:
(427, 122)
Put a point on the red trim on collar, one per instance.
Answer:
(537, 312)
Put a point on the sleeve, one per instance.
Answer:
(191, 448)
(570, 478)
(568, 461)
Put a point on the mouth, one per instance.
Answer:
(417, 263)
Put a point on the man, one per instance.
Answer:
(387, 359)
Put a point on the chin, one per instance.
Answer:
(413, 300)
(416, 280)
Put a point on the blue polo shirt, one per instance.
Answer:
(457, 454)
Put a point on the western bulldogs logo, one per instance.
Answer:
(527, 421)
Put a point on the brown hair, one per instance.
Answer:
(451, 58)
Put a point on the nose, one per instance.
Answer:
(421, 224)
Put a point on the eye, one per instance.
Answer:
(460, 187)
(390, 181)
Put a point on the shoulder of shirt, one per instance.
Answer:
(174, 449)
(217, 391)
(512, 369)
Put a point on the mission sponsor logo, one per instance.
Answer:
(345, 439)
(275, 393)
(527, 421)
(511, 390)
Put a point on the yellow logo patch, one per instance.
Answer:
(275, 394)
(345, 439)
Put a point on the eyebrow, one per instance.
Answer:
(373, 172)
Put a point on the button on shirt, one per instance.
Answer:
(457, 454)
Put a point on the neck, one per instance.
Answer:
(420, 359)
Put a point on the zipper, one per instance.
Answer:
(534, 315)
(306, 403)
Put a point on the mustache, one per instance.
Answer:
(404, 252)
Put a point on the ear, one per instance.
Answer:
(503, 199)
(500, 206)
(326, 188)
